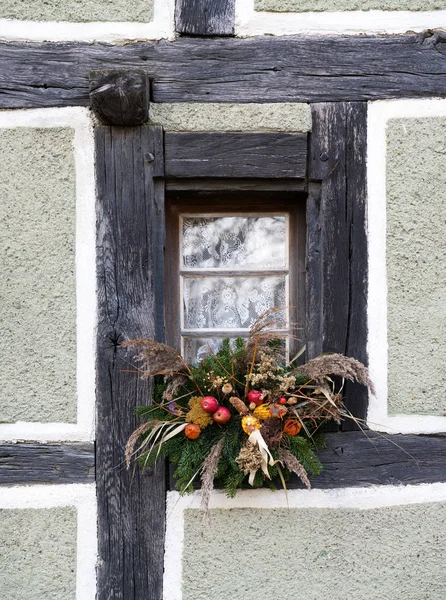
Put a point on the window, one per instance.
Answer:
(231, 257)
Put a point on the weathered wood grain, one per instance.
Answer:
(46, 463)
(261, 155)
(336, 240)
(260, 69)
(212, 184)
(131, 506)
(120, 96)
(354, 459)
(205, 17)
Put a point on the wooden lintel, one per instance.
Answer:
(120, 96)
(232, 155)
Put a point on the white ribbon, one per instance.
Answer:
(256, 439)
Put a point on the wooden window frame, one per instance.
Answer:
(230, 202)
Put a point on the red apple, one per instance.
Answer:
(222, 415)
(255, 396)
(209, 404)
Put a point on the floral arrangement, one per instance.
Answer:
(241, 413)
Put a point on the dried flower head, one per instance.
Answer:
(196, 414)
(249, 458)
(272, 432)
(227, 388)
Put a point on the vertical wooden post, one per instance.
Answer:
(337, 242)
(130, 240)
(205, 17)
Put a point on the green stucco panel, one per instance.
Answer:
(77, 11)
(341, 5)
(37, 278)
(316, 554)
(416, 265)
(283, 116)
(38, 554)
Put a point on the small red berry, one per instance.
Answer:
(282, 400)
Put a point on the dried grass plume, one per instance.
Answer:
(291, 463)
(336, 364)
(156, 358)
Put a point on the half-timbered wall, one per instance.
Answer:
(81, 238)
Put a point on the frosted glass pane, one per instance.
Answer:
(195, 349)
(234, 242)
(224, 302)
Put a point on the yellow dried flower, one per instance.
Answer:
(196, 414)
(249, 423)
(227, 388)
(262, 412)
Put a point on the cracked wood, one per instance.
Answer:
(337, 260)
(261, 69)
(131, 505)
(205, 17)
(232, 155)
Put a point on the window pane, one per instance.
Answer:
(230, 302)
(234, 242)
(195, 349)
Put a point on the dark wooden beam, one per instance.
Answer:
(120, 96)
(46, 463)
(205, 17)
(336, 240)
(259, 69)
(356, 459)
(131, 505)
(261, 155)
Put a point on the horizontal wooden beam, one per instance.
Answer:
(362, 459)
(260, 69)
(357, 459)
(45, 463)
(261, 155)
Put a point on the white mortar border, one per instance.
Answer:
(249, 22)
(83, 498)
(79, 119)
(353, 498)
(379, 113)
(162, 26)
